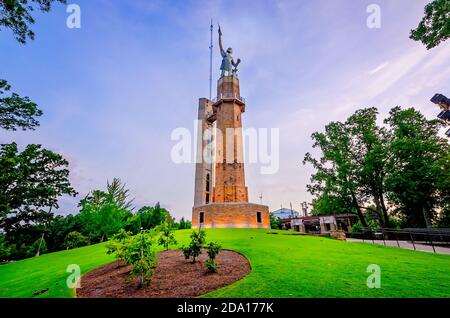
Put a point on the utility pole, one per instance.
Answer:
(211, 46)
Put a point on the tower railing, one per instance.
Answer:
(229, 96)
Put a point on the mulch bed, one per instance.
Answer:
(174, 277)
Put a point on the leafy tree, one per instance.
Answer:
(105, 213)
(17, 16)
(167, 236)
(148, 218)
(30, 184)
(74, 240)
(17, 112)
(336, 172)
(435, 25)
(275, 223)
(369, 153)
(415, 166)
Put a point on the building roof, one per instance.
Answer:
(286, 213)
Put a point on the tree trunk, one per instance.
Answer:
(385, 213)
(358, 209)
(376, 200)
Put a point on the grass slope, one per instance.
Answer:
(283, 266)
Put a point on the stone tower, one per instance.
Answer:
(221, 196)
(230, 175)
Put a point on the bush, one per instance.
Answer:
(194, 249)
(211, 266)
(5, 249)
(37, 248)
(74, 240)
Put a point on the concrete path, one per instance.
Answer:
(406, 245)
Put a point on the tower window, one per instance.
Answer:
(208, 182)
(258, 217)
(202, 217)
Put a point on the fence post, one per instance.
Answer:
(384, 240)
(431, 241)
(412, 240)
(396, 237)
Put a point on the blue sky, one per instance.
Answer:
(114, 90)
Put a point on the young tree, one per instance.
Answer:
(17, 16)
(275, 223)
(194, 249)
(167, 236)
(140, 254)
(118, 245)
(213, 250)
(435, 25)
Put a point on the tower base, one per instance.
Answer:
(231, 215)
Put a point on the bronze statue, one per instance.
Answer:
(227, 59)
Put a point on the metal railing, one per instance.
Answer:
(429, 237)
(229, 96)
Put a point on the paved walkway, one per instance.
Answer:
(406, 245)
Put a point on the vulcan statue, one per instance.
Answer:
(227, 59)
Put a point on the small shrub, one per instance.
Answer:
(74, 240)
(213, 249)
(186, 251)
(211, 266)
(194, 249)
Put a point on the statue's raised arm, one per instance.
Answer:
(222, 51)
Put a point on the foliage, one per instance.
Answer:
(416, 166)
(39, 247)
(105, 213)
(17, 16)
(275, 223)
(366, 169)
(435, 25)
(148, 218)
(30, 183)
(211, 266)
(183, 224)
(17, 112)
(139, 251)
(74, 240)
(5, 249)
(167, 236)
(194, 249)
(213, 249)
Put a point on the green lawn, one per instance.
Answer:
(283, 266)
